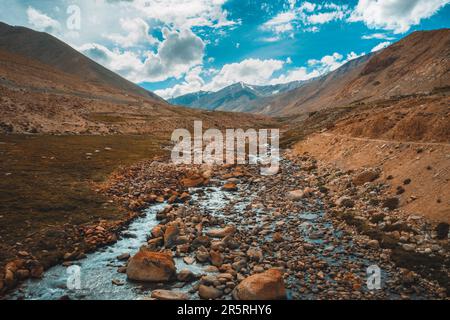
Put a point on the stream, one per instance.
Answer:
(100, 279)
(99, 269)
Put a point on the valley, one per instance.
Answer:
(87, 181)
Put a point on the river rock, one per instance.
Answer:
(188, 260)
(222, 232)
(262, 286)
(277, 237)
(170, 235)
(216, 258)
(123, 256)
(295, 195)
(202, 255)
(193, 182)
(158, 231)
(186, 276)
(151, 266)
(230, 186)
(169, 295)
(345, 202)
(255, 254)
(201, 241)
(209, 292)
(408, 247)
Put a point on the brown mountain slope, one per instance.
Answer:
(50, 51)
(39, 97)
(416, 64)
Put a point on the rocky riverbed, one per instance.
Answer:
(223, 232)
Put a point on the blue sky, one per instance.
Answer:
(175, 47)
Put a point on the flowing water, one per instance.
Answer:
(99, 269)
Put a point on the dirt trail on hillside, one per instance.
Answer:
(418, 173)
(329, 134)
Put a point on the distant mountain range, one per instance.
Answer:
(418, 63)
(236, 97)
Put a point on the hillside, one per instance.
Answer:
(419, 63)
(48, 50)
(48, 87)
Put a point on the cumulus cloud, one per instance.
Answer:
(257, 72)
(175, 55)
(42, 22)
(381, 46)
(125, 63)
(297, 74)
(395, 15)
(185, 13)
(136, 32)
(332, 62)
(192, 82)
(253, 71)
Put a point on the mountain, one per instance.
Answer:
(419, 63)
(236, 97)
(48, 87)
(48, 50)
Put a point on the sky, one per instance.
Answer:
(175, 47)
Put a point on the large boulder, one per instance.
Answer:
(268, 285)
(151, 266)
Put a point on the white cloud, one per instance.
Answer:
(379, 36)
(256, 72)
(185, 13)
(253, 71)
(192, 82)
(297, 74)
(280, 23)
(395, 15)
(307, 6)
(176, 55)
(42, 22)
(381, 46)
(305, 16)
(270, 39)
(325, 17)
(137, 32)
(125, 63)
(332, 62)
